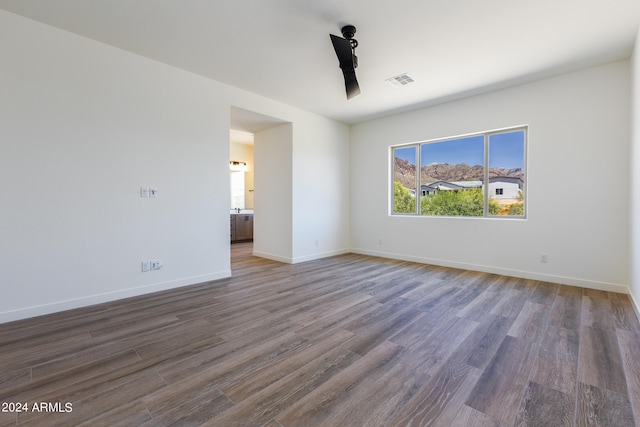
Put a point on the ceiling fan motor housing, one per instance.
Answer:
(348, 31)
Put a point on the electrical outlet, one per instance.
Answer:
(544, 258)
(146, 266)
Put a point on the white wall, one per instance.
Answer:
(304, 168)
(273, 154)
(578, 136)
(321, 196)
(635, 176)
(84, 126)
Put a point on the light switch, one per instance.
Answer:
(153, 192)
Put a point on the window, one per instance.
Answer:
(237, 190)
(480, 175)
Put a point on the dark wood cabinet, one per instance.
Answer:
(241, 227)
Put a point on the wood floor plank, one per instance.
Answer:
(596, 309)
(226, 365)
(624, 315)
(32, 353)
(283, 394)
(431, 347)
(483, 342)
(339, 319)
(542, 406)
(318, 406)
(8, 418)
(479, 307)
(368, 338)
(103, 348)
(323, 311)
(567, 308)
(630, 351)
(510, 304)
(70, 381)
(469, 417)
(500, 389)
(377, 401)
(545, 293)
(194, 408)
(438, 401)
(133, 414)
(556, 364)
(241, 389)
(429, 282)
(600, 361)
(89, 406)
(469, 290)
(599, 407)
(530, 322)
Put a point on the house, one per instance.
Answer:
(434, 187)
(500, 188)
(86, 121)
(504, 187)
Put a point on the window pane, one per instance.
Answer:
(237, 190)
(506, 173)
(404, 180)
(451, 176)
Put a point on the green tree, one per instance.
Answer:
(403, 200)
(494, 207)
(457, 203)
(516, 209)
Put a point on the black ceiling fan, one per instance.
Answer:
(346, 50)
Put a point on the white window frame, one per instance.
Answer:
(487, 135)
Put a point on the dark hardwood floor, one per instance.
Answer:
(350, 340)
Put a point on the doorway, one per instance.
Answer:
(244, 125)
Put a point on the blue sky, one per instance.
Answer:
(505, 149)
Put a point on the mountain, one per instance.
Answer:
(404, 172)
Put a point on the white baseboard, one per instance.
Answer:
(320, 255)
(305, 258)
(27, 312)
(602, 286)
(272, 257)
(635, 305)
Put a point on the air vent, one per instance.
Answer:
(400, 80)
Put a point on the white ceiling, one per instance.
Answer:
(281, 48)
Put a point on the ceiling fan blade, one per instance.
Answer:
(347, 65)
(343, 50)
(351, 83)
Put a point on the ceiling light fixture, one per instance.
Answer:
(400, 80)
